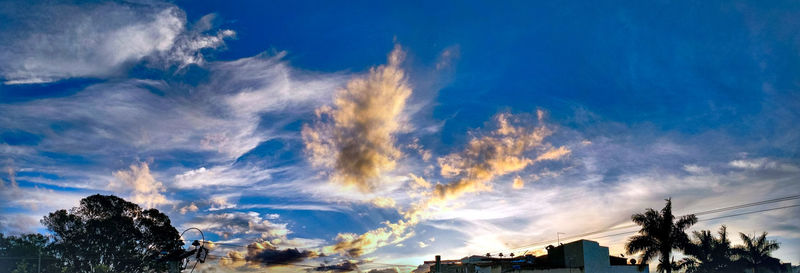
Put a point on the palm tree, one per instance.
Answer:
(709, 254)
(755, 253)
(659, 235)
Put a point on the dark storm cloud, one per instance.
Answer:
(268, 255)
(346, 266)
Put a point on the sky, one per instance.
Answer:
(373, 135)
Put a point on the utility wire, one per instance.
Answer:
(699, 213)
(717, 210)
(629, 226)
(539, 243)
(712, 211)
(582, 235)
(703, 220)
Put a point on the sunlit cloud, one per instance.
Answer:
(356, 137)
(189, 208)
(355, 245)
(502, 151)
(144, 187)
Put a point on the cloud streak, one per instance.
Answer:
(95, 39)
(502, 151)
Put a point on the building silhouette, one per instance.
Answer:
(582, 256)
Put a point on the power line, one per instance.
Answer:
(787, 198)
(699, 220)
(704, 220)
(750, 212)
(712, 211)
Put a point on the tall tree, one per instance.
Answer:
(661, 232)
(755, 253)
(107, 233)
(709, 254)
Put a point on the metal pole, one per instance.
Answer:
(40, 260)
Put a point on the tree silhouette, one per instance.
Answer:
(22, 254)
(659, 235)
(709, 254)
(109, 234)
(755, 253)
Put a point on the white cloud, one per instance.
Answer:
(310, 207)
(218, 121)
(695, 169)
(240, 223)
(763, 164)
(144, 188)
(36, 203)
(220, 176)
(46, 43)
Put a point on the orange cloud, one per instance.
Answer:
(146, 190)
(554, 154)
(518, 183)
(354, 245)
(503, 151)
(355, 137)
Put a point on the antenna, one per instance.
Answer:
(558, 237)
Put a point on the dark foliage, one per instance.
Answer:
(23, 254)
(755, 253)
(109, 234)
(709, 254)
(659, 235)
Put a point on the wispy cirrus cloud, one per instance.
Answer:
(217, 122)
(763, 164)
(48, 42)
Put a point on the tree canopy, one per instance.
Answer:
(755, 253)
(710, 254)
(107, 233)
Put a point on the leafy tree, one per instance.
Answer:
(659, 235)
(107, 233)
(709, 254)
(22, 254)
(755, 253)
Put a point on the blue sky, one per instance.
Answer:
(386, 133)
